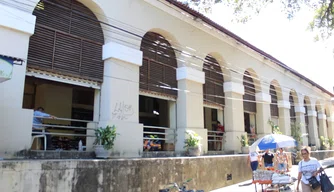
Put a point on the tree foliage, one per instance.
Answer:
(245, 10)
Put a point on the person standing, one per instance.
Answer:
(220, 141)
(253, 160)
(307, 168)
(268, 159)
(282, 160)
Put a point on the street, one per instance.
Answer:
(247, 186)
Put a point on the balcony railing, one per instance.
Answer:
(159, 138)
(216, 140)
(65, 127)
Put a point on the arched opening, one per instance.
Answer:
(158, 90)
(214, 101)
(64, 69)
(249, 103)
(274, 112)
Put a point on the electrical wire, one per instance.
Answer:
(239, 79)
(225, 74)
(288, 88)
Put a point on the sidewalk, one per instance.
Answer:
(247, 186)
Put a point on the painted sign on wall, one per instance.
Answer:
(6, 68)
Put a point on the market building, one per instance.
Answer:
(147, 67)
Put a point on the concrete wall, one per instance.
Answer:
(146, 175)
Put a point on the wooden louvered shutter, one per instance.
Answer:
(273, 104)
(68, 39)
(213, 89)
(249, 96)
(158, 72)
(292, 108)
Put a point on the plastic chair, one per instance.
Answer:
(41, 134)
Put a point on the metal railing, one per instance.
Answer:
(154, 136)
(216, 138)
(41, 130)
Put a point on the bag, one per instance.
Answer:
(314, 182)
(326, 184)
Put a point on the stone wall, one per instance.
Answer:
(125, 175)
(121, 175)
(320, 155)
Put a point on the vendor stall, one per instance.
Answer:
(273, 181)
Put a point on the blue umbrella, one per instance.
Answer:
(273, 141)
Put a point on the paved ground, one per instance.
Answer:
(248, 187)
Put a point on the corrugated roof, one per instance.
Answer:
(244, 42)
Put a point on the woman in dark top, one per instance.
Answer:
(268, 158)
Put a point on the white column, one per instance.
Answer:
(172, 123)
(300, 117)
(234, 116)
(16, 27)
(322, 125)
(330, 127)
(263, 101)
(284, 116)
(313, 127)
(119, 97)
(190, 106)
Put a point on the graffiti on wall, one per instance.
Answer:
(122, 111)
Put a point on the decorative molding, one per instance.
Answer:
(62, 78)
(300, 109)
(234, 87)
(283, 104)
(312, 113)
(123, 53)
(331, 119)
(263, 97)
(322, 116)
(16, 19)
(190, 74)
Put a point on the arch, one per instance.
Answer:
(214, 81)
(222, 62)
(68, 39)
(278, 89)
(250, 90)
(255, 78)
(158, 72)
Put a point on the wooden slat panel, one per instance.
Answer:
(68, 39)
(144, 74)
(249, 96)
(292, 108)
(273, 105)
(159, 65)
(214, 81)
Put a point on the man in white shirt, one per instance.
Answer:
(37, 123)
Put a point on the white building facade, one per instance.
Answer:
(147, 66)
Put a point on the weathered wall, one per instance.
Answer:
(124, 175)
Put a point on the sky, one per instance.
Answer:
(288, 41)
